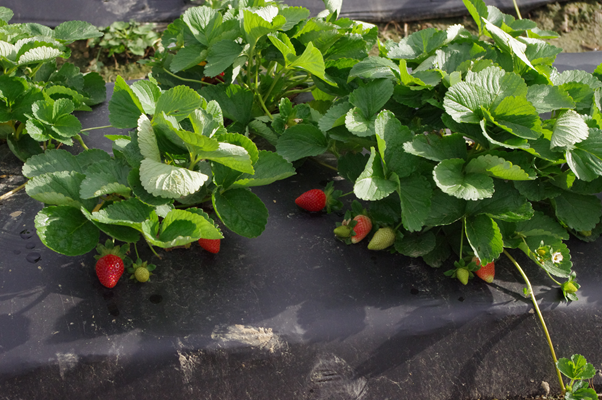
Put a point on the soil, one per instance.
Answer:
(579, 24)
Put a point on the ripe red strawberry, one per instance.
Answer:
(361, 228)
(383, 238)
(486, 272)
(109, 264)
(313, 200)
(109, 269)
(211, 245)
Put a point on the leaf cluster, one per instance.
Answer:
(179, 155)
(126, 38)
(266, 50)
(578, 370)
(467, 144)
(37, 98)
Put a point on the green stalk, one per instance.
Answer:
(517, 10)
(541, 320)
(186, 79)
(81, 141)
(462, 236)
(272, 86)
(153, 250)
(96, 127)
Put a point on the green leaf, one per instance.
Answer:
(6, 14)
(188, 57)
(293, 16)
(334, 6)
(415, 194)
(241, 211)
(507, 43)
(351, 165)
(451, 179)
(50, 161)
(59, 188)
(537, 190)
(484, 237)
(208, 228)
(178, 102)
(168, 180)
(576, 368)
(585, 158)
(579, 212)
(541, 225)
(418, 46)
(147, 141)
(391, 137)
(131, 213)
(95, 88)
(517, 116)
(452, 57)
(122, 233)
(70, 31)
(221, 55)
(416, 245)
(235, 101)
(147, 94)
(65, 230)
(372, 97)
(372, 183)
(437, 148)
(124, 106)
(105, 177)
(37, 55)
(139, 191)
(547, 98)
(301, 140)
(179, 227)
(436, 257)
(23, 148)
(242, 141)
(445, 209)
(478, 11)
(497, 167)
(374, 68)
(507, 204)
(255, 26)
(568, 130)
(335, 116)
(232, 156)
(358, 124)
(269, 168)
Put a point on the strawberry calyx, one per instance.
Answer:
(570, 288)
(110, 248)
(332, 198)
(464, 270)
(141, 270)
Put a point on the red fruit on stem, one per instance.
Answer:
(211, 245)
(362, 228)
(487, 272)
(109, 269)
(313, 200)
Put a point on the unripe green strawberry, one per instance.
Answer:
(383, 238)
(141, 274)
(342, 231)
(569, 287)
(141, 271)
(462, 274)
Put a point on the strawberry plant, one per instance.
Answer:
(468, 146)
(268, 52)
(37, 98)
(180, 156)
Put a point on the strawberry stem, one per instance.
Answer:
(462, 236)
(541, 320)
